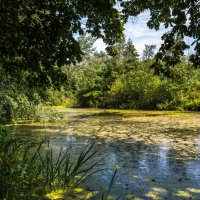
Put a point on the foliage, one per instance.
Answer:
(90, 82)
(192, 105)
(42, 41)
(148, 52)
(136, 90)
(106, 196)
(181, 89)
(14, 101)
(39, 37)
(86, 83)
(124, 82)
(16, 105)
(181, 17)
(18, 178)
(86, 43)
(31, 171)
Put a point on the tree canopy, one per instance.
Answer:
(181, 17)
(40, 36)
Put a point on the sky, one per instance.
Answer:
(139, 33)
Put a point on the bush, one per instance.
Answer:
(192, 105)
(135, 90)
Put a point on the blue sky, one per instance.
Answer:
(139, 33)
(137, 30)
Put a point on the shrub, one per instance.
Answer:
(192, 105)
(137, 89)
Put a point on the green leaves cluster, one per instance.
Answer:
(123, 81)
(34, 171)
(182, 18)
(39, 36)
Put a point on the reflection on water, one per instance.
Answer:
(159, 156)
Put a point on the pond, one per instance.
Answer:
(158, 153)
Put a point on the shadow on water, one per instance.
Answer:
(167, 169)
(114, 114)
(100, 114)
(86, 113)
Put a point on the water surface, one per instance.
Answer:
(158, 153)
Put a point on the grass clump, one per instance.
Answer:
(34, 171)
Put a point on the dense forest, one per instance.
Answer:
(41, 61)
(122, 81)
(48, 59)
(128, 82)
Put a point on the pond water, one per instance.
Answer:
(158, 153)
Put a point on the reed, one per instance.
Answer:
(29, 171)
(105, 197)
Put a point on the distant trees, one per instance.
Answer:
(148, 52)
(124, 50)
(130, 50)
(123, 81)
(86, 43)
(113, 83)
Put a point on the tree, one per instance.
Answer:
(124, 49)
(183, 17)
(131, 56)
(39, 36)
(148, 52)
(86, 43)
(130, 50)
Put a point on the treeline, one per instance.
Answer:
(39, 55)
(115, 80)
(124, 81)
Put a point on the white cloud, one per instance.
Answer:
(99, 45)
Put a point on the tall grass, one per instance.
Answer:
(106, 196)
(30, 171)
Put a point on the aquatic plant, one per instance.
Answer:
(30, 171)
(106, 196)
